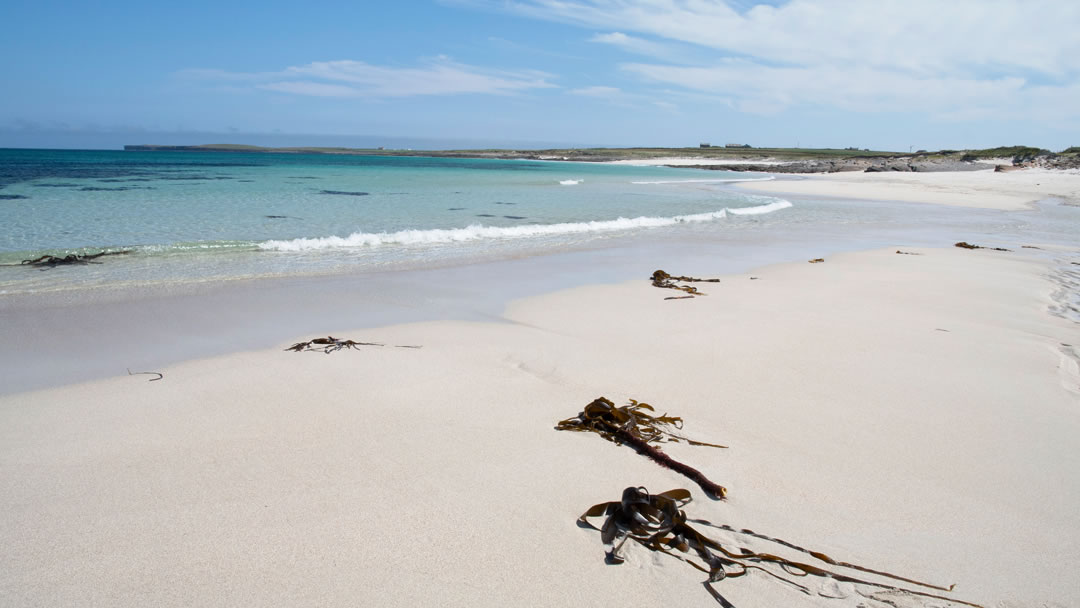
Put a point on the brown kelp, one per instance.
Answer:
(967, 245)
(666, 281)
(658, 523)
(631, 425)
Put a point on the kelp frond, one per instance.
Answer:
(633, 426)
(666, 281)
(658, 523)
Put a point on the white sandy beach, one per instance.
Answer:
(910, 413)
(985, 189)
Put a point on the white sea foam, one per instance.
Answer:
(477, 232)
(710, 181)
(769, 208)
(570, 182)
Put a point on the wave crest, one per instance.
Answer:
(729, 180)
(477, 232)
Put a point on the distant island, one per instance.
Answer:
(740, 157)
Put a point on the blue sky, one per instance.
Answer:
(880, 74)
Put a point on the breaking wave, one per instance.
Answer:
(570, 182)
(769, 208)
(477, 232)
(710, 181)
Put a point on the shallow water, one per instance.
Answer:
(194, 216)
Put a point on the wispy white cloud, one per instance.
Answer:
(618, 97)
(766, 89)
(597, 91)
(634, 44)
(926, 36)
(996, 59)
(313, 89)
(348, 78)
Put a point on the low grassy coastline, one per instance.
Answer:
(774, 160)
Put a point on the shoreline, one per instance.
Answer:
(81, 334)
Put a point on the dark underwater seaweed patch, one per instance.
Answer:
(114, 189)
(343, 193)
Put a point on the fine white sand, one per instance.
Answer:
(986, 189)
(913, 413)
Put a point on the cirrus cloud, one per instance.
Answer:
(1000, 58)
(350, 78)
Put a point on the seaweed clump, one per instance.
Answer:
(658, 523)
(51, 261)
(666, 281)
(967, 245)
(631, 425)
(330, 344)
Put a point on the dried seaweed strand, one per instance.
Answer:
(815, 554)
(328, 345)
(666, 281)
(158, 374)
(331, 344)
(658, 523)
(630, 425)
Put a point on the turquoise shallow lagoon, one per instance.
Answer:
(196, 217)
(192, 216)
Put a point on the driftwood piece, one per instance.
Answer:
(631, 425)
(907, 252)
(817, 260)
(51, 261)
(666, 281)
(658, 523)
(966, 245)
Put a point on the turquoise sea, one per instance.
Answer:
(199, 216)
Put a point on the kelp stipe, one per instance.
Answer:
(631, 425)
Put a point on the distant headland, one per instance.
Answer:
(727, 158)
